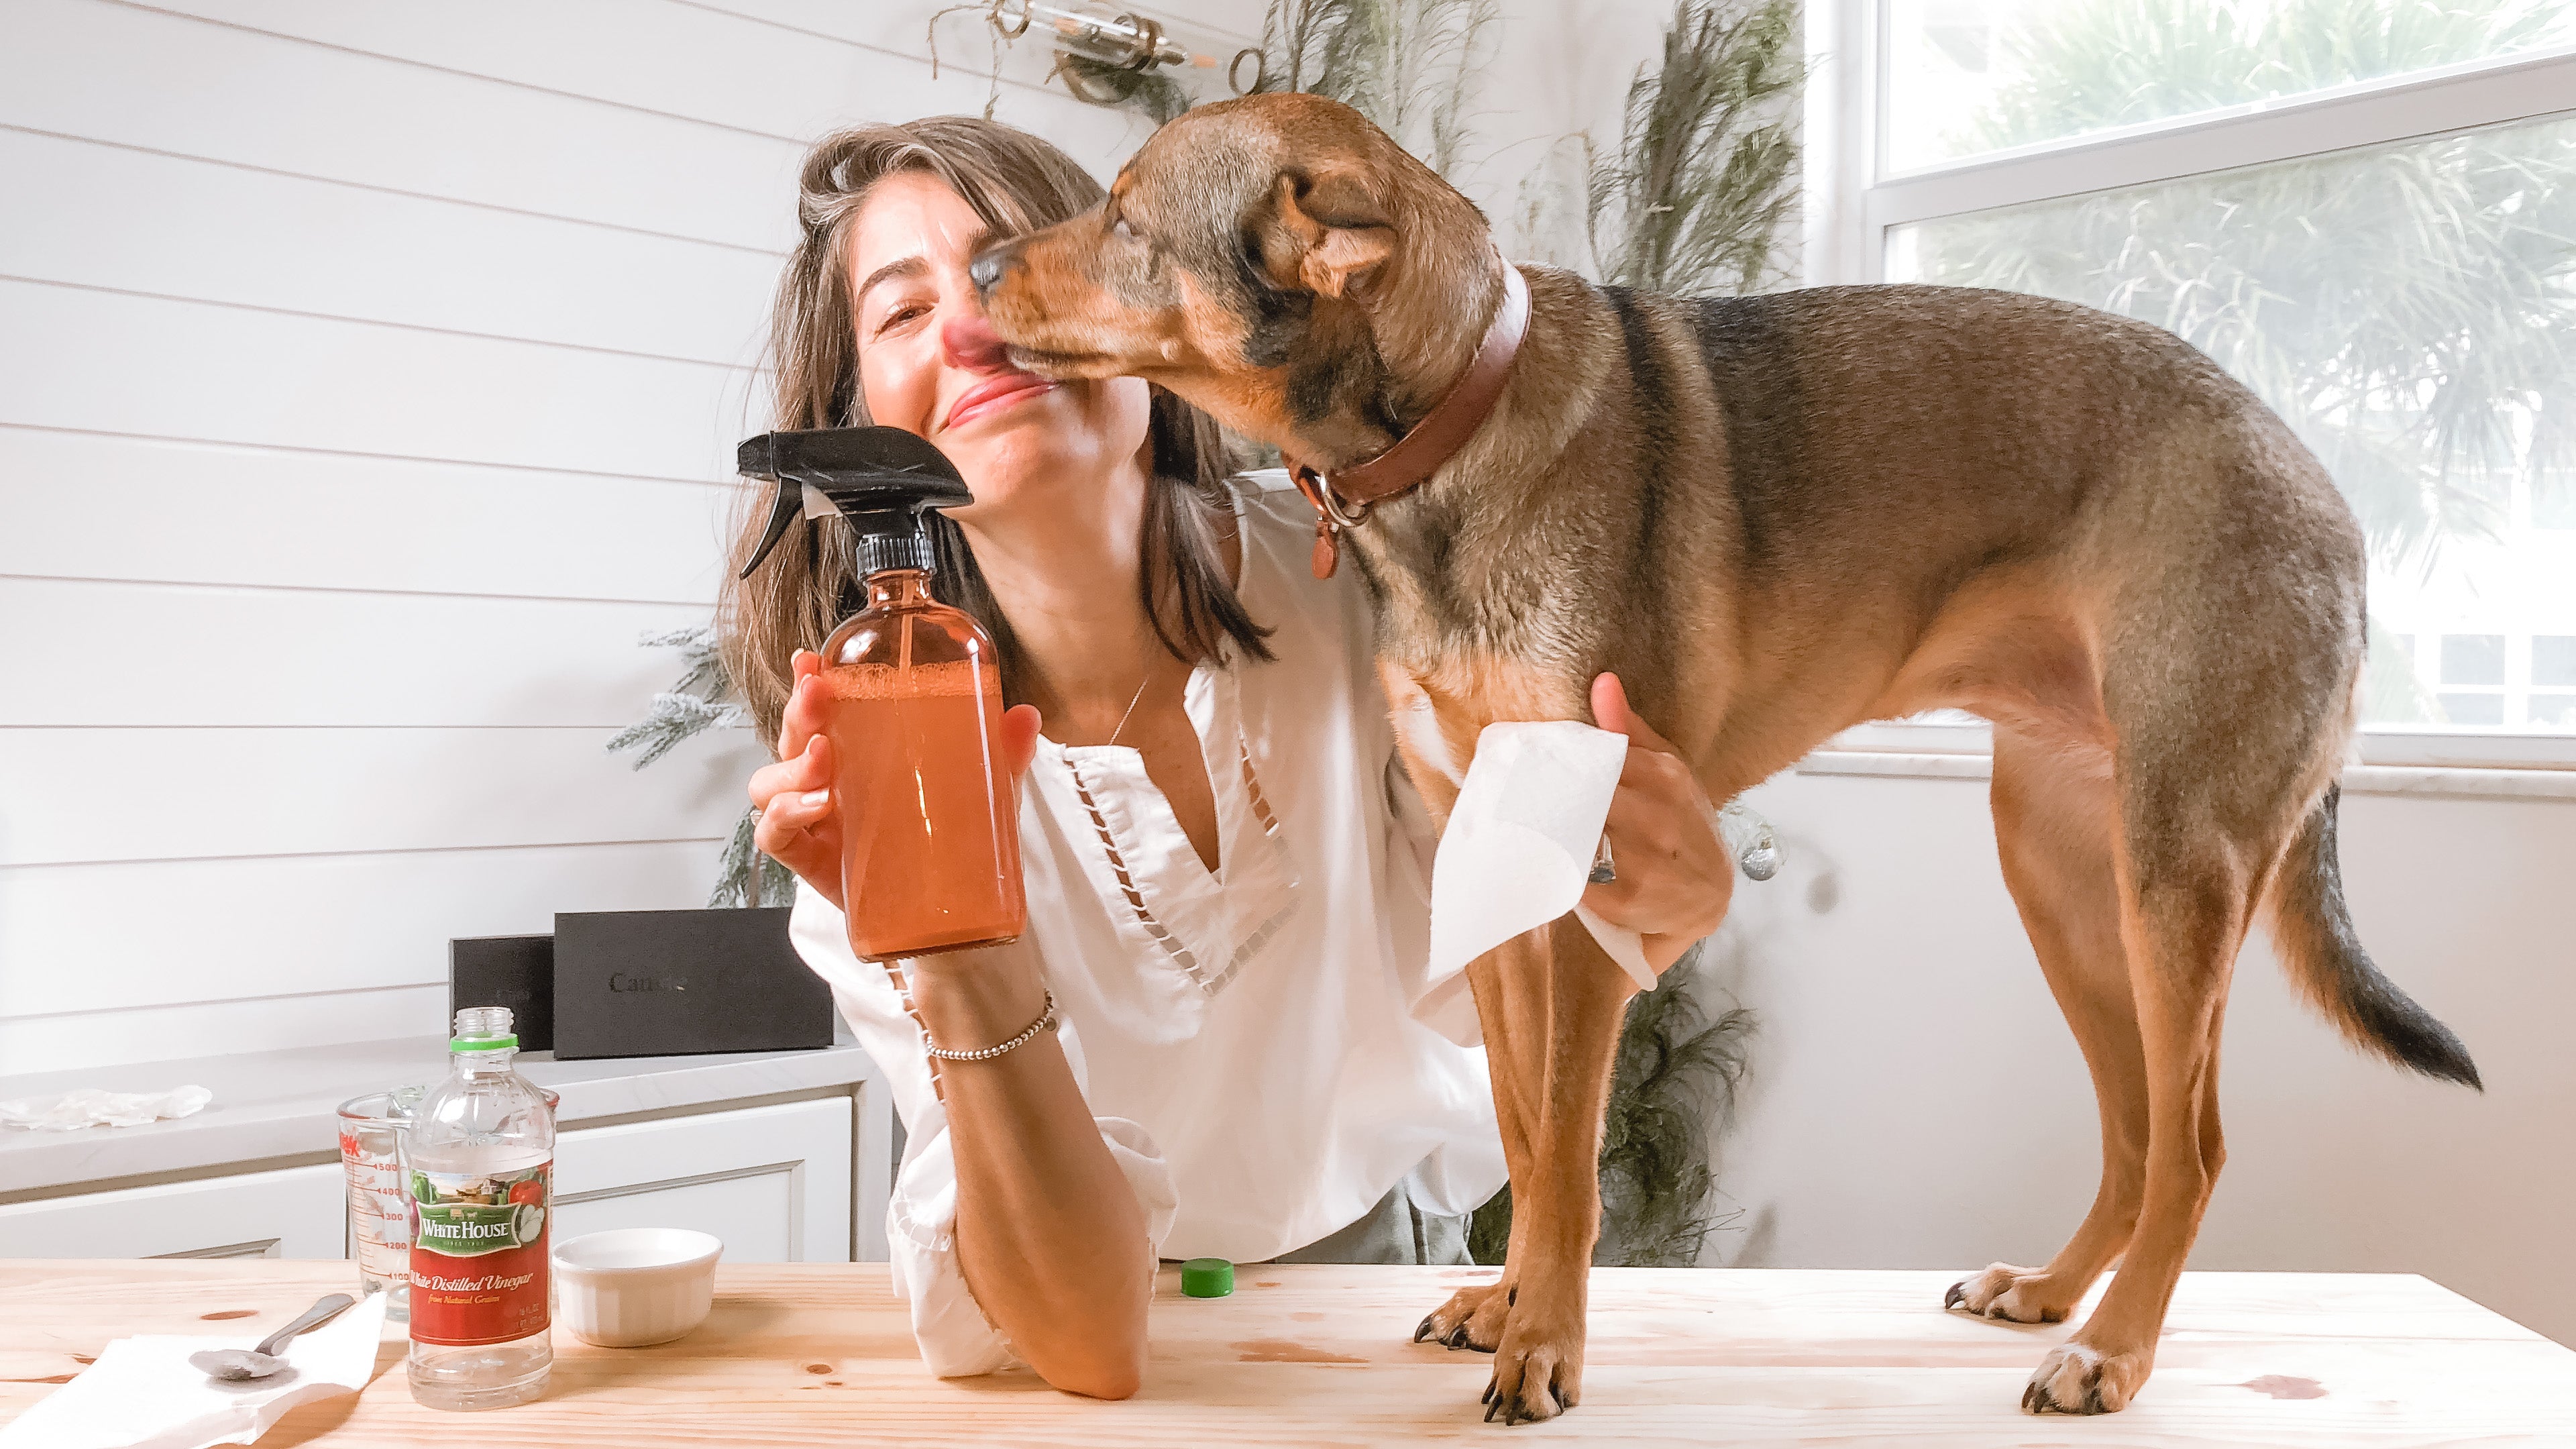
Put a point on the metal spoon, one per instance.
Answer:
(260, 1362)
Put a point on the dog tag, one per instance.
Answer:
(1328, 548)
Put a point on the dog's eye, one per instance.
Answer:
(1121, 230)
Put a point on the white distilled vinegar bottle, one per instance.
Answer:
(479, 1163)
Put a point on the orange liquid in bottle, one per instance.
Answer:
(930, 841)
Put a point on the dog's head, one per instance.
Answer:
(1276, 260)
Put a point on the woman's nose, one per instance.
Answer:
(971, 343)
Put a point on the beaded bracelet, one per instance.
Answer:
(1045, 1022)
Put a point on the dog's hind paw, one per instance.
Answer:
(2078, 1379)
(1472, 1318)
(2013, 1295)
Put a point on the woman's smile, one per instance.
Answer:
(992, 395)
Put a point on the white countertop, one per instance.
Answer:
(280, 1104)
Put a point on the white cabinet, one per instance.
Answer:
(776, 1183)
(772, 1182)
(295, 1212)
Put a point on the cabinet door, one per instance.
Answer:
(772, 1182)
(295, 1212)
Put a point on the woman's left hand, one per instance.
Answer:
(1674, 875)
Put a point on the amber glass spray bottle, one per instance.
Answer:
(930, 844)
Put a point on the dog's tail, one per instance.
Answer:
(2325, 960)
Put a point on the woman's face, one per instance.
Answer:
(1012, 434)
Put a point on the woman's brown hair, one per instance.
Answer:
(1016, 182)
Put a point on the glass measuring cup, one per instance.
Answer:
(379, 1209)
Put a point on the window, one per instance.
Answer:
(2364, 209)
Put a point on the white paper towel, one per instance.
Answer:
(144, 1394)
(1518, 849)
(90, 1107)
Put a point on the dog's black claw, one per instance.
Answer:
(1997, 1312)
(1957, 1295)
(1493, 1402)
(2030, 1399)
(1489, 1395)
(1424, 1331)
(1511, 1297)
(1457, 1337)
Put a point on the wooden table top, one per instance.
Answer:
(800, 1354)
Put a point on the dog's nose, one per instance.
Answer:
(987, 268)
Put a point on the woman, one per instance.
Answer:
(1227, 872)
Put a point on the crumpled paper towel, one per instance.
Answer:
(90, 1107)
(144, 1394)
(1519, 845)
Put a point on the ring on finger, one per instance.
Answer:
(1604, 869)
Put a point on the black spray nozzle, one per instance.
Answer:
(879, 478)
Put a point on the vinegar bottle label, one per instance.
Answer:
(478, 1256)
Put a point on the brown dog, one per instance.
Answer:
(1775, 517)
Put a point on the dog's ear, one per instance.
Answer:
(1343, 232)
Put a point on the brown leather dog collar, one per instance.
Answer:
(1343, 499)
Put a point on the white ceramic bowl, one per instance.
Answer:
(629, 1287)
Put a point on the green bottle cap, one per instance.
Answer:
(1207, 1277)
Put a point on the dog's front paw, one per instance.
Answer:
(1472, 1318)
(2015, 1295)
(1538, 1371)
(2076, 1378)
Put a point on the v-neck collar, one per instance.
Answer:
(1208, 922)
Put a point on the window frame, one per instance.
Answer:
(1853, 205)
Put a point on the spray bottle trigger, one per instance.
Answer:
(789, 506)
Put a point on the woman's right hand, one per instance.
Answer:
(798, 826)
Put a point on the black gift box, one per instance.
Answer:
(671, 983)
(513, 971)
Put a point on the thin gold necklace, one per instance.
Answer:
(1131, 702)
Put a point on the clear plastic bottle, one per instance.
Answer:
(479, 1163)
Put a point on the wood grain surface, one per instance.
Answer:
(806, 1354)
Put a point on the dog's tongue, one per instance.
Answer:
(972, 342)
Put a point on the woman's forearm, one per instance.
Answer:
(1049, 1233)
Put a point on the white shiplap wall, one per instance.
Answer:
(369, 375)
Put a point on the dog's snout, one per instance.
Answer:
(989, 265)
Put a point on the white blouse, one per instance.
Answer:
(1261, 1045)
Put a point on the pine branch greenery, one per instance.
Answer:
(703, 698)
(2410, 310)
(697, 701)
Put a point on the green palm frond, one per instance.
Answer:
(2411, 310)
(1672, 1088)
(1704, 177)
(1408, 65)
